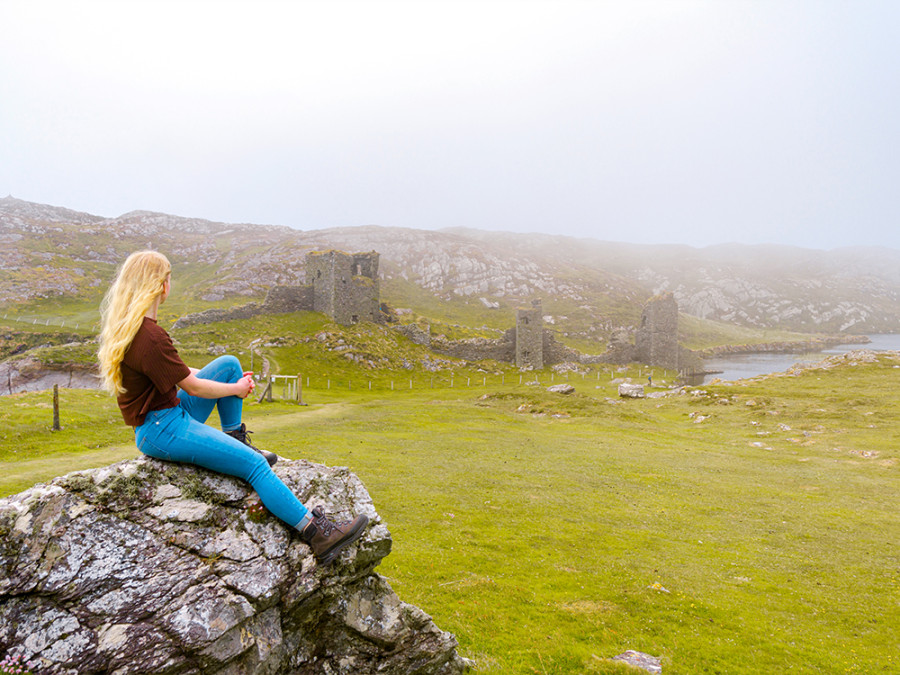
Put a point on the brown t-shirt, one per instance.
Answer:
(150, 370)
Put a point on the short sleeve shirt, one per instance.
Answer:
(150, 370)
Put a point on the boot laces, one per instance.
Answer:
(326, 526)
(242, 434)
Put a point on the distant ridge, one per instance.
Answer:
(588, 287)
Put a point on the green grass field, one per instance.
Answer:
(745, 528)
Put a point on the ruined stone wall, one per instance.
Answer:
(320, 275)
(556, 352)
(478, 349)
(342, 301)
(504, 349)
(366, 264)
(620, 350)
(286, 299)
(360, 302)
(243, 312)
(530, 337)
(279, 300)
(415, 334)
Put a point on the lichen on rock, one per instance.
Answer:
(154, 567)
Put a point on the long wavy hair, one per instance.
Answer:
(139, 282)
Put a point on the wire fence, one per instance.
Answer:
(73, 324)
(291, 387)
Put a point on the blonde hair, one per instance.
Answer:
(139, 282)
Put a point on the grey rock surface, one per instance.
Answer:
(627, 390)
(154, 567)
(651, 664)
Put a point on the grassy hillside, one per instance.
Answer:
(747, 528)
(698, 334)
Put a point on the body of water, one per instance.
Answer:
(739, 366)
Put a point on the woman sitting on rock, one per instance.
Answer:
(141, 367)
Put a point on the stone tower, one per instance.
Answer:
(530, 337)
(345, 286)
(656, 340)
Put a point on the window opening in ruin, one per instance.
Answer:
(318, 274)
(525, 320)
(354, 318)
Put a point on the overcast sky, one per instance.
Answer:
(648, 122)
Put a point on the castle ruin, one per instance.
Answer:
(656, 339)
(530, 337)
(345, 286)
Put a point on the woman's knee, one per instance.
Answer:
(228, 361)
(228, 366)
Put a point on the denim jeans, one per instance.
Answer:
(179, 435)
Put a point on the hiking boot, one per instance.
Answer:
(241, 434)
(328, 538)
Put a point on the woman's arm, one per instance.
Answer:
(201, 388)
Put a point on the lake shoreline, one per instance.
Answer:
(785, 347)
(744, 361)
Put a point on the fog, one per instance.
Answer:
(647, 122)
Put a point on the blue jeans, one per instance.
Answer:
(179, 435)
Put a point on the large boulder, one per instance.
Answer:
(154, 567)
(628, 390)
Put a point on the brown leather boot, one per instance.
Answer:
(328, 538)
(241, 434)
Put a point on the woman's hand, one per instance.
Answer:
(246, 385)
(202, 388)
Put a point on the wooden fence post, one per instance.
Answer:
(266, 394)
(55, 407)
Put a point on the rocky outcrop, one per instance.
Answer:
(153, 567)
(29, 374)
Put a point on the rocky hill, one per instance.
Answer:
(51, 252)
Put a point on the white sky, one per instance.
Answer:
(650, 122)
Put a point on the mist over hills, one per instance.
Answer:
(52, 252)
